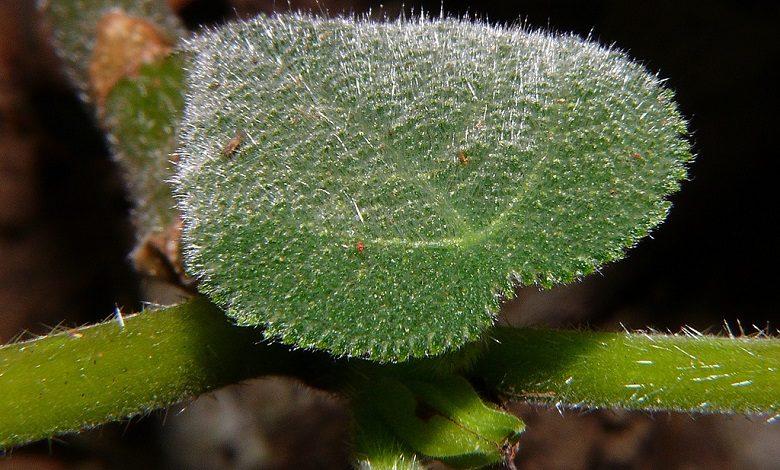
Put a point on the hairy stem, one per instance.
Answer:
(120, 57)
(83, 377)
(635, 371)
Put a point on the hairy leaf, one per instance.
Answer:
(372, 188)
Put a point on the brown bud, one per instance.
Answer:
(122, 45)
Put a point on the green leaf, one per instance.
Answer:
(443, 419)
(372, 189)
(456, 399)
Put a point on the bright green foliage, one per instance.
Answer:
(85, 377)
(371, 188)
(74, 26)
(143, 112)
(443, 419)
(634, 371)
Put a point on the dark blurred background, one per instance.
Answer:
(65, 236)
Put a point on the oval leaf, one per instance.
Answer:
(370, 188)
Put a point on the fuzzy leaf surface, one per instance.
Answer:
(372, 188)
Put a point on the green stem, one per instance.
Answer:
(138, 101)
(84, 377)
(635, 371)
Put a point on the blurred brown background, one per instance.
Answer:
(65, 235)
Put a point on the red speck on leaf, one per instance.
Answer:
(360, 247)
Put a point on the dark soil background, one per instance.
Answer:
(65, 235)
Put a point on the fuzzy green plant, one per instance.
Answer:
(357, 197)
(419, 409)
(373, 189)
(689, 372)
